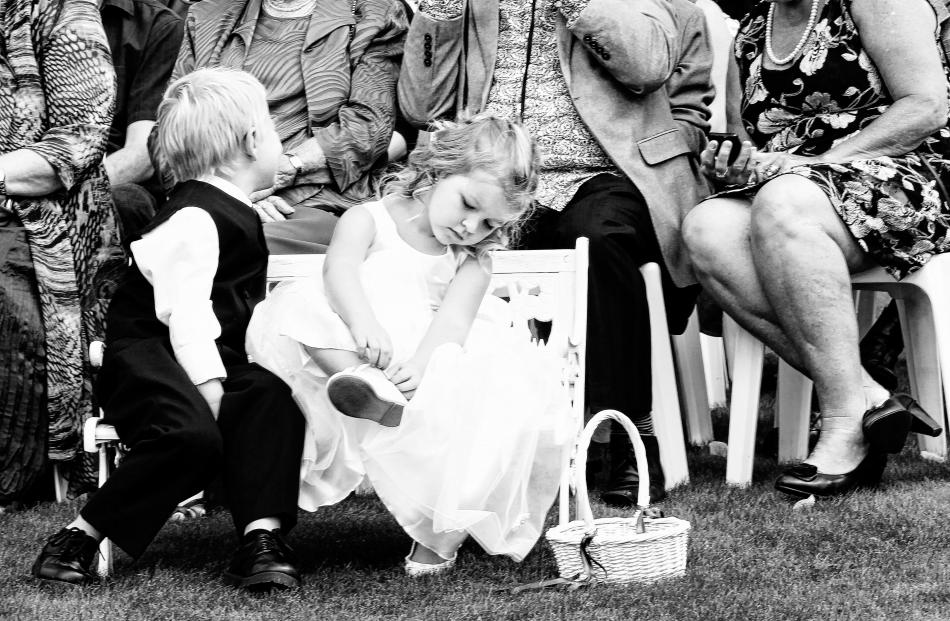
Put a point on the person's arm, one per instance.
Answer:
(80, 94)
(637, 42)
(131, 163)
(897, 34)
(351, 145)
(179, 258)
(341, 277)
(428, 80)
(451, 323)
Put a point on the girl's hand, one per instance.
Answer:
(406, 376)
(373, 344)
(714, 162)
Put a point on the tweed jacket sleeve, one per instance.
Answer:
(637, 41)
(690, 89)
(429, 78)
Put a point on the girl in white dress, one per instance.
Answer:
(408, 373)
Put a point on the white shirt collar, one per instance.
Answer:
(227, 187)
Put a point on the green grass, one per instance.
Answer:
(881, 554)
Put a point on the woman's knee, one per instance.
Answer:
(786, 208)
(712, 229)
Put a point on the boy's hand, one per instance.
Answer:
(212, 391)
(373, 344)
(406, 376)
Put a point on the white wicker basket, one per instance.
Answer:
(620, 550)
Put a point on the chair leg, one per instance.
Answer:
(793, 413)
(667, 421)
(104, 564)
(924, 363)
(60, 484)
(714, 365)
(692, 383)
(744, 407)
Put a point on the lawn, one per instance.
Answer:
(871, 555)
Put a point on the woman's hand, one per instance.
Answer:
(768, 164)
(406, 376)
(372, 343)
(714, 162)
(286, 174)
(272, 208)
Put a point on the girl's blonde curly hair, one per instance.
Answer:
(483, 142)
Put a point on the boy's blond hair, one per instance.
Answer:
(203, 120)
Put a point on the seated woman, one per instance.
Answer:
(850, 172)
(57, 228)
(330, 72)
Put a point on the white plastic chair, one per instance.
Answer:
(924, 306)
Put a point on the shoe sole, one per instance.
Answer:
(263, 581)
(355, 398)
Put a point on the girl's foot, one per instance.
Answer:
(422, 561)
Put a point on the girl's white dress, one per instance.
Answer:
(478, 451)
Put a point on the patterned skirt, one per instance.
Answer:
(895, 207)
(23, 424)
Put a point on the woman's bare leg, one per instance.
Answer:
(716, 234)
(804, 256)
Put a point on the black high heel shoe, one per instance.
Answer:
(804, 480)
(887, 425)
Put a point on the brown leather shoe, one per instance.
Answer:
(263, 562)
(67, 557)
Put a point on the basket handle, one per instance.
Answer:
(580, 463)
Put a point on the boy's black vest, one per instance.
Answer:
(239, 283)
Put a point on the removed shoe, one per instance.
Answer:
(365, 392)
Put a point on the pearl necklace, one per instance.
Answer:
(812, 18)
(301, 8)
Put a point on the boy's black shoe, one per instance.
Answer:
(624, 481)
(264, 561)
(67, 557)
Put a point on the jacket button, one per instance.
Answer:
(427, 38)
(587, 38)
(605, 55)
(427, 45)
(427, 62)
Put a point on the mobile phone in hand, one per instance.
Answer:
(730, 137)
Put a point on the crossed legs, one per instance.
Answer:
(781, 266)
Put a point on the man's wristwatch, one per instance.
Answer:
(3, 185)
(297, 163)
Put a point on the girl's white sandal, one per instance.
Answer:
(415, 569)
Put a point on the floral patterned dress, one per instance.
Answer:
(896, 207)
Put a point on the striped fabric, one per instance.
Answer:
(350, 62)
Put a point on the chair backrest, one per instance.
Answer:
(542, 286)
